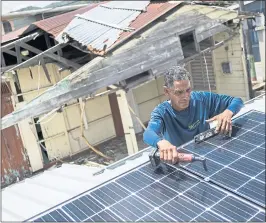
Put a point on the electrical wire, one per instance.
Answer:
(39, 123)
(207, 72)
(39, 76)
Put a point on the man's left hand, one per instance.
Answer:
(224, 123)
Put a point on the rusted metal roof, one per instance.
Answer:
(56, 24)
(101, 37)
(53, 25)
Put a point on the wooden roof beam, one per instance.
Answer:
(21, 40)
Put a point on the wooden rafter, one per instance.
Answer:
(50, 55)
(41, 54)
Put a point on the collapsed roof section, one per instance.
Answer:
(154, 52)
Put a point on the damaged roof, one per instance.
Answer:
(53, 25)
(34, 195)
(120, 21)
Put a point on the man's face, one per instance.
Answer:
(179, 94)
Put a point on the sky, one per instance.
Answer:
(8, 6)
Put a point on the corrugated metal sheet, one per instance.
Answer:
(56, 24)
(37, 194)
(103, 31)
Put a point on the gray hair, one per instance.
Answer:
(176, 73)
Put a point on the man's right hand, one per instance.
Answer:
(168, 152)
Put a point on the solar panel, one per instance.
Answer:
(236, 163)
(142, 195)
(176, 194)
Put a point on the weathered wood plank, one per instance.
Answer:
(144, 51)
(45, 70)
(3, 62)
(47, 40)
(18, 54)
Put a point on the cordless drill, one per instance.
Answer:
(182, 157)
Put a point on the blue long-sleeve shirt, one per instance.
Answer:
(179, 127)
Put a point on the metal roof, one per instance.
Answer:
(103, 31)
(37, 194)
(120, 21)
(53, 25)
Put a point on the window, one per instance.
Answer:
(188, 44)
(226, 67)
(7, 27)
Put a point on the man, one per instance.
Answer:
(186, 114)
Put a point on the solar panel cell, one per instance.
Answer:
(179, 181)
(239, 147)
(222, 156)
(74, 212)
(260, 217)
(131, 208)
(253, 138)
(58, 217)
(245, 123)
(204, 194)
(256, 116)
(92, 203)
(135, 181)
(182, 209)
(229, 178)
(200, 149)
(156, 216)
(261, 176)
(197, 167)
(259, 129)
(257, 154)
(255, 190)
(156, 194)
(209, 216)
(234, 210)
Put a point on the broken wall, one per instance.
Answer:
(61, 131)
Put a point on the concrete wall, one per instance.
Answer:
(61, 131)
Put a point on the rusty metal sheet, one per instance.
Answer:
(14, 163)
